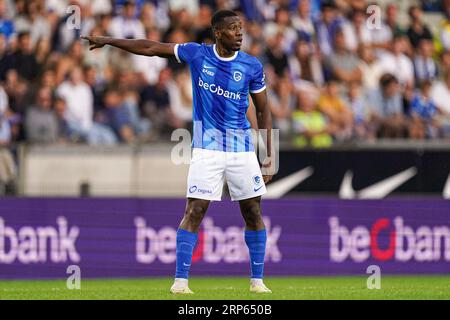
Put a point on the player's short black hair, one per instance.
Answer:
(220, 16)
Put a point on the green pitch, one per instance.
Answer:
(404, 287)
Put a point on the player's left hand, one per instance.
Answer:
(267, 178)
(266, 165)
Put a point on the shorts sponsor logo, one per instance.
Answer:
(388, 240)
(204, 191)
(194, 189)
(215, 244)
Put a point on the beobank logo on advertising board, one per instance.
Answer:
(389, 240)
(28, 244)
(214, 244)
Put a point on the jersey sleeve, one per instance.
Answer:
(258, 83)
(185, 52)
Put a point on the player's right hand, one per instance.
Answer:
(94, 41)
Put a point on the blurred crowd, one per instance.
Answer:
(335, 72)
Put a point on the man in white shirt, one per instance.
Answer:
(396, 62)
(302, 21)
(440, 94)
(79, 99)
(79, 112)
(150, 67)
(127, 25)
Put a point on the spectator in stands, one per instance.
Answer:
(33, 20)
(67, 62)
(99, 7)
(117, 116)
(334, 107)
(18, 90)
(255, 34)
(23, 59)
(417, 29)
(397, 62)
(282, 25)
(180, 98)
(48, 79)
(276, 56)
(3, 57)
(156, 104)
(6, 25)
(381, 36)
(387, 108)
(127, 25)
(326, 26)
(305, 67)
(424, 111)
(444, 32)
(342, 64)
(64, 133)
(148, 68)
(392, 20)
(121, 61)
(357, 32)
(41, 125)
(310, 126)
(8, 169)
(282, 102)
(96, 85)
(63, 37)
(140, 124)
(43, 52)
(363, 128)
(444, 62)
(79, 113)
(202, 25)
(425, 68)
(371, 68)
(440, 94)
(302, 21)
(99, 59)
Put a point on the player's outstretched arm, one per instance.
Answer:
(137, 46)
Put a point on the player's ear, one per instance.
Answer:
(216, 32)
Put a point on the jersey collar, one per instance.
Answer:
(222, 58)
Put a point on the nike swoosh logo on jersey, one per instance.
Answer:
(258, 263)
(378, 190)
(207, 67)
(186, 265)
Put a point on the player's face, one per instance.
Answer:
(230, 34)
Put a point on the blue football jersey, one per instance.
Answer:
(221, 87)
